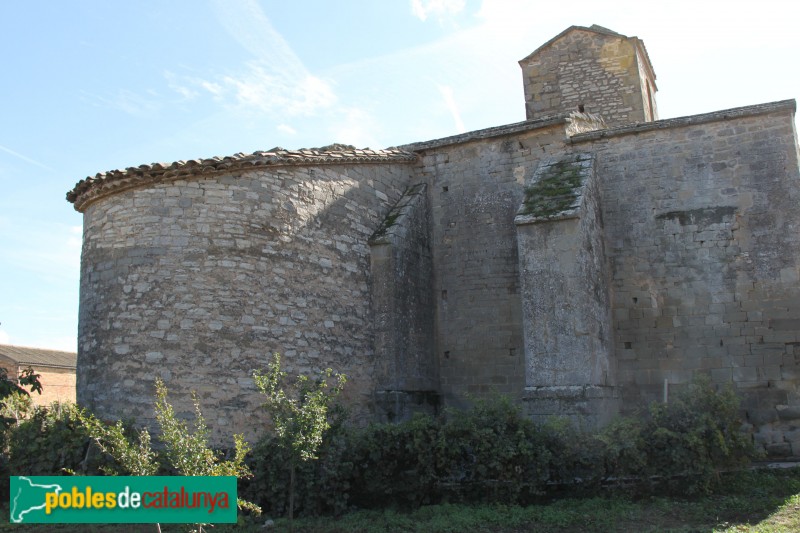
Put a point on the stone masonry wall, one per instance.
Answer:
(402, 305)
(198, 281)
(648, 87)
(597, 70)
(565, 295)
(703, 236)
(475, 189)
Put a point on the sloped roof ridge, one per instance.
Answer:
(593, 28)
(602, 29)
(88, 188)
(25, 355)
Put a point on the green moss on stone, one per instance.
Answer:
(555, 192)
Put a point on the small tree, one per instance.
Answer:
(27, 378)
(11, 389)
(186, 450)
(136, 458)
(15, 402)
(299, 416)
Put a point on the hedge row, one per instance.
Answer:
(490, 453)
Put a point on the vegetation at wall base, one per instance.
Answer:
(482, 462)
(491, 453)
(301, 415)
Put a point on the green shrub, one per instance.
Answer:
(625, 449)
(187, 450)
(130, 449)
(51, 442)
(395, 463)
(491, 453)
(577, 462)
(689, 440)
(322, 486)
(13, 408)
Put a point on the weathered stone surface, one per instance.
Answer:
(258, 262)
(592, 70)
(402, 306)
(437, 272)
(565, 284)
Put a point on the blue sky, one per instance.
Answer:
(95, 85)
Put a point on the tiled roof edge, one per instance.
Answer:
(105, 183)
(40, 357)
(725, 114)
(45, 365)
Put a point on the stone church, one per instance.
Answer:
(585, 261)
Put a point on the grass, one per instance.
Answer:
(765, 501)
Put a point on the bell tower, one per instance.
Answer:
(592, 70)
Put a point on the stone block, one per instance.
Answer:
(778, 449)
(788, 413)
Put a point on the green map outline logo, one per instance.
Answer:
(15, 515)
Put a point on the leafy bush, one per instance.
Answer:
(187, 450)
(129, 448)
(625, 449)
(51, 442)
(321, 486)
(13, 408)
(492, 453)
(689, 440)
(395, 463)
(16, 385)
(577, 463)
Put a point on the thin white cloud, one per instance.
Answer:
(354, 126)
(5, 338)
(215, 89)
(262, 90)
(287, 129)
(452, 106)
(276, 82)
(174, 83)
(129, 102)
(24, 158)
(422, 9)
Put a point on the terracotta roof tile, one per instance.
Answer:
(104, 183)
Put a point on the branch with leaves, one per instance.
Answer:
(186, 450)
(299, 412)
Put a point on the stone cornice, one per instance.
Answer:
(488, 133)
(782, 106)
(105, 183)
